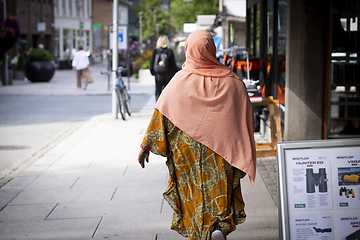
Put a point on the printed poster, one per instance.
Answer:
(349, 226)
(309, 181)
(348, 177)
(312, 228)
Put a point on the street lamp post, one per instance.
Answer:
(157, 31)
(115, 62)
(156, 26)
(140, 29)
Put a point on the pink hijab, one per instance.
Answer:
(207, 101)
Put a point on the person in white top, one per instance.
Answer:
(81, 64)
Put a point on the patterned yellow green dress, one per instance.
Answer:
(203, 189)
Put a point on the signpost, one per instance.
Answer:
(115, 63)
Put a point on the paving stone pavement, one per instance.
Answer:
(90, 186)
(267, 167)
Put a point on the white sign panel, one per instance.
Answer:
(319, 189)
(122, 37)
(41, 26)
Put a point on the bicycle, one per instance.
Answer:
(122, 95)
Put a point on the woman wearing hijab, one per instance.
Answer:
(163, 76)
(203, 124)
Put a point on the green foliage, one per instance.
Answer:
(21, 62)
(145, 64)
(153, 13)
(181, 11)
(39, 55)
(185, 11)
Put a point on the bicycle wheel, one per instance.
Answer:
(121, 103)
(126, 97)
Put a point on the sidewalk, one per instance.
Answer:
(90, 186)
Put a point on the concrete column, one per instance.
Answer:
(304, 69)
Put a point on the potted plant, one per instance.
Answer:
(20, 65)
(39, 66)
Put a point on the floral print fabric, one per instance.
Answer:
(203, 188)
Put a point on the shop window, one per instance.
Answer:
(344, 81)
(88, 40)
(255, 30)
(57, 44)
(282, 27)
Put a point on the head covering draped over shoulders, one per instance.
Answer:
(210, 103)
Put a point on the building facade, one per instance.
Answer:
(102, 19)
(36, 21)
(73, 26)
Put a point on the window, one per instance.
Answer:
(56, 6)
(83, 8)
(255, 30)
(87, 40)
(57, 43)
(64, 7)
(282, 27)
(88, 9)
(70, 8)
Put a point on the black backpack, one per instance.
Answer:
(161, 62)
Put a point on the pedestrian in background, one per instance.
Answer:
(81, 64)
(162, 64)
(203, 124)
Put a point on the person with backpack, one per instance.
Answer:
(162, 64)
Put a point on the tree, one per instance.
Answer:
(181, 11)
(153, 13)
(185, 11)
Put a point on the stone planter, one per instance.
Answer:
(39, 71)
(145, 77)
(19, 75)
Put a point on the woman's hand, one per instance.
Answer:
(143, 155)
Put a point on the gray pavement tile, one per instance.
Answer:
(45, 196)
(170, 234)
(139, 194)
(253, 234)
(52, 182)
(125, 213)
(13, 189)
(89, 180)
(89, 209)
(96, 194)
(136, 226)
(29, 212)
(49, 229)
(68, 167)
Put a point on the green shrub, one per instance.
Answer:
(145, 64)
(39, 55)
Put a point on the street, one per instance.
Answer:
(33, 122)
